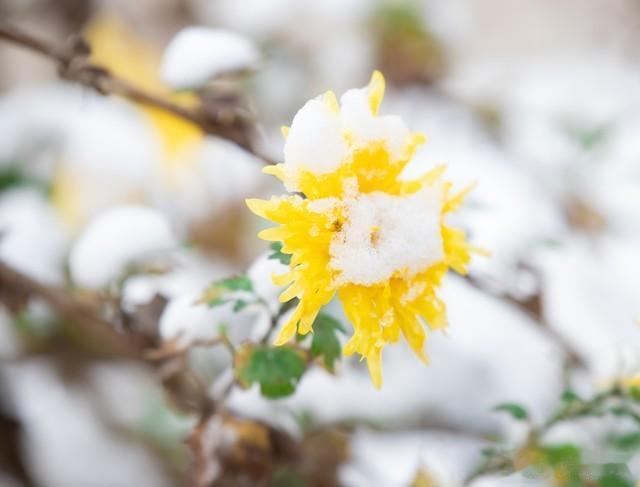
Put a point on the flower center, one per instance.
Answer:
(384, 235)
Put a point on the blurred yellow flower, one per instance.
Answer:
(116, 47)
(359, 230)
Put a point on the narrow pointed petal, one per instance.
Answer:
(376, 91)
(332, 102)
(286, 334)
(273, 234)
(374, 364)
(257, 206)
(291, 292)
(283, 279)
(454, 203)
(276, 170)
(306, 321)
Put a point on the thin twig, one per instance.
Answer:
(619, 400)
(535, 313)
(77, 313)
(74, 65)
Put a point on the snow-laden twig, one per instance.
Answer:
(73, 64)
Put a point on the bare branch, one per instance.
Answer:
(79, 314)
(74, 65)
(532, 308)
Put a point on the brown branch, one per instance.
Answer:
(18, 287)
(533, 309)
(73, 65)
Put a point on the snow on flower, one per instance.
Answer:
(357, 229)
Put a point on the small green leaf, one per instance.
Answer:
(277, 370)
(570, 396)
(566, 455)
(325, 341)
(278, 254)
(628, 441)
(239, 305)
(286, 477)
(221, 292)
(13, 176)
(615, 475)
(515, 410)
(634, 392)
(235, 283)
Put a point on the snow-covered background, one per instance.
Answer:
(537, 101)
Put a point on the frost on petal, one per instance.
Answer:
(187, 322)
(385, 235)
(116, 239)
(198, 54)
(315, 141)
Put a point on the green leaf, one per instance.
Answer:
(515, 410)
(286, 477)
(239, 305)
(277, 369)
(628, 441)
(278, 254)
(566, 455)
(13, 176)
(235, 283)
(570, 396)
(634, 392)
(615, 475)
(220, 292)
(324, 342)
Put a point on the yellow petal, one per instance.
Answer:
(374, 363)
(454, 202)
(257, 206)
(331, 101)
(291, 292)
(289, 329)
(283, 279)
(276, 170)
(273, 234)
(480, 251)
(306, 321)
(433, 175)
(284, 130)
(376, 91)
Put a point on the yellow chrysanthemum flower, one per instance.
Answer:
(358, 229)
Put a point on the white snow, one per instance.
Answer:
(315, 141)
(32, 239)
(385, 234)
(66, 441)
(116, 239)
(198, 54)
(260, 272)
(358, 121)
(96, 151)
(187, 322)
(322, 138)
(380, 459)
